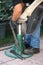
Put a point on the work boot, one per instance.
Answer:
(31, 50)
(27, 45)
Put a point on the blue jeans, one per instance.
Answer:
(33, 39)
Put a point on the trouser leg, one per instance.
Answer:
(33, 31)
(35, 38)
(33, 28)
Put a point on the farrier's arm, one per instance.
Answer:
(28, 11)
(17, 10)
